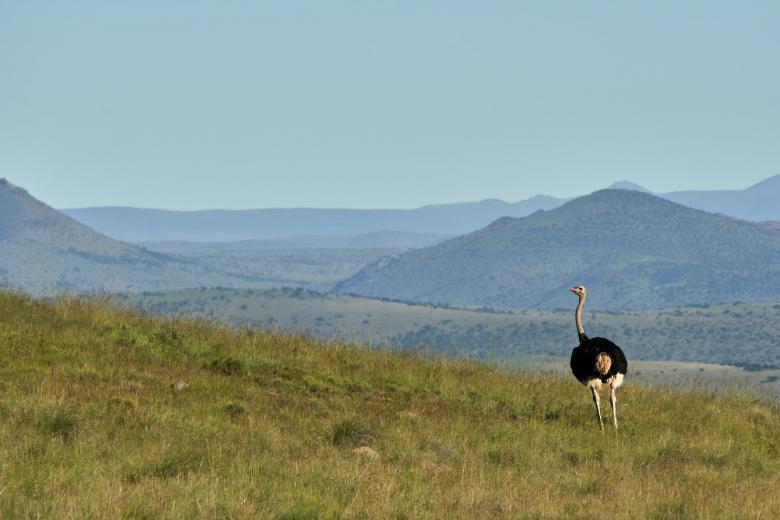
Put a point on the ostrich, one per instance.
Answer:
(597, 361)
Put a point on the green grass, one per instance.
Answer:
(93, 426)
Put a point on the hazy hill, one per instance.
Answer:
(626, 185)
(375, 240)
(110, 414)
(772, 224)
(42, 250)
(24, 219)
(633, 250)
(150, 225)
(759, 202)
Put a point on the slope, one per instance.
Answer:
(42, 250)
(634, 250)
(109, 414)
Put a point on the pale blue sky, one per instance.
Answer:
(238, 104)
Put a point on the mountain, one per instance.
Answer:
(44, 251)
(26, 220)
(626, 185)
(152, 225)
(759, 202)
(632, 249)
(771, 224)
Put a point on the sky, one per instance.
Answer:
(392, 104)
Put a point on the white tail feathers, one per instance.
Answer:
(603, 363)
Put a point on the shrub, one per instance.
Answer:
(227, 366)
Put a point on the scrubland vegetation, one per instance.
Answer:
(107, 413)
(739, 334)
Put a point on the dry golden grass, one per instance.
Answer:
(91, 425)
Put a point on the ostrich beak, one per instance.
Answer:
(574, 290)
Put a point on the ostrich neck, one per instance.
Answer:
(578, 316)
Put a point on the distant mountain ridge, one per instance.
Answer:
(374, 240)
(150, 225)
(632, 249)
(758, 202)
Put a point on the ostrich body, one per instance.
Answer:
(597, 361)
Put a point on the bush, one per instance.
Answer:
(227, 366)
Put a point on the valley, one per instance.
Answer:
(743, 335)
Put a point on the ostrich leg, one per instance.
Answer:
(613, 402)
(597, 399)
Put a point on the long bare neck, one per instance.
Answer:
(578, 317)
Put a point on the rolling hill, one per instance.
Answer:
(632, 249)
(44, 251)
(112, 414)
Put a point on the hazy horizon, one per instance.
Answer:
(187, 106)
(652, 192)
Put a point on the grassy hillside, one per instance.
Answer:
(743, 335)
(683, 375)
(633, 250)
(111, 414)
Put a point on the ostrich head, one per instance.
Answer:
(579, 290)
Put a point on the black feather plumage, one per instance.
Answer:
(583, 359)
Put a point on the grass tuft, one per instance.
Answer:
(234, 410)
(173, 464)
(61, 423)
(351, 432)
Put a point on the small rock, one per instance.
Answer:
(366, 452)
(180, 385)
